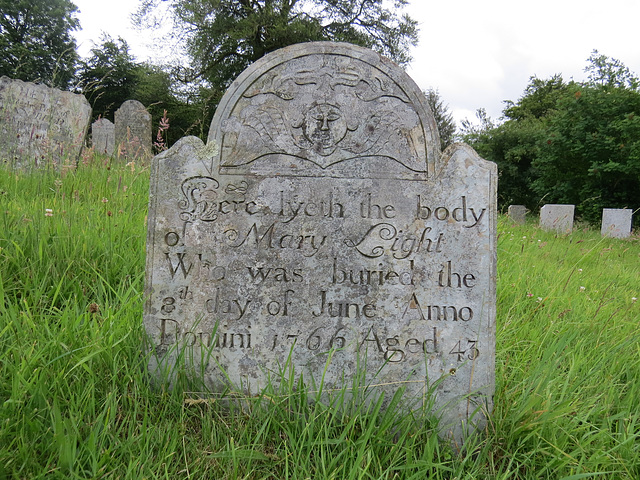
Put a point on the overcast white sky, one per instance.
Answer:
(476, 53)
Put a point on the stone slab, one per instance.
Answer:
(556, 217)
(39, 125)
(133, 130)
(103, 136)
(616, 222)
(518, 214)
(321, 228)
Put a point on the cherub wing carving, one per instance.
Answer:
(272, 127)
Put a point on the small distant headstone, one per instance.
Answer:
(320, 228)
(557, 217)
(39, 124)
(133, 130)
(517, 214)
(103, 135)
(616, 222)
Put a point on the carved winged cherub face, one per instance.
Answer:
(324, 126)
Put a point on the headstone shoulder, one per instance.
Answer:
(370, 112)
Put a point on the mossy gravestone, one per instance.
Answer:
(40, 125)
(103, 136)
(133, 130)
(616, 222)
(321, 228)
(517, 214)
(557, 217)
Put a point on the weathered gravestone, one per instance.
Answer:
(616, 222)
(517, 214)
(39, 124)
(321, 228)
(133, 130)
(557, 217)
(103, 136)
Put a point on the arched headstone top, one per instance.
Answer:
(328, 109)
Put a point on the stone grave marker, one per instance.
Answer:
(103, 136)
(616, 222)
(321, 228)
(133, 130)
(557, 217)
(39, 124)
(517, 214)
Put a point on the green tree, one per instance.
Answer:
(111, 75)
(471, 132)
(576, 143)
(512, 145)
(108, 77)
(444, 120)
(609, 72)
(159, 92)
(540, 98)
(590, 152)
(223, 37)
(516, 142)
(36, 41)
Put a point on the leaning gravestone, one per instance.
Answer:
(133, 130)
(616, 222)
(320, 228)
(39, 124)
(103, 136)
(517, 214)
(557, 217)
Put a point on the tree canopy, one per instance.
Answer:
(610, 72)
(36, 41)
(569, 142)
(223, 37)
(443, 117)
(590, 152)
(111, 75)
(108, 76)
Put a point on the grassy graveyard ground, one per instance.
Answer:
(75, 401)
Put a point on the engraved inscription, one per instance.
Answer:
(343, 308)
(271, 238)
(276, 274)
(234, 307)
(384, 238)
(460, 214)
(380, 276)
(291, 208)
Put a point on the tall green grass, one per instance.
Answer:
(75, 401)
